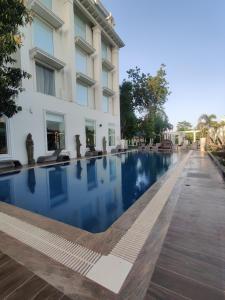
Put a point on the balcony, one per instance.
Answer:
(85, 79)
(45, 13)
(84, 45)
(108, 92)
(107, 64)
(42, 56)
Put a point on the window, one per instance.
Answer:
(80, 28)
(104, 51)
(104, 78)
(45, 79)
(3, 137)
(81, 61)
(43, 36)
(82, 94)
(47, 3)
(55, 131)
(111, 133)
(105, 104)
(90, 130)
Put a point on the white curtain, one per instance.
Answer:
(45, 80)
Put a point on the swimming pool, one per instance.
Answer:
(90, 194)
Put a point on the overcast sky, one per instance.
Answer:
(186, 35)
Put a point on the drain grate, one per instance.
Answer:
(132, 242)
(71, 255)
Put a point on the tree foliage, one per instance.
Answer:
(149, 92)
(184, 126)
(129, 122)
(144, 95)
(13, 16)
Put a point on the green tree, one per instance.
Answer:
(184, 126)
(129, 121)
(154, 126)
(13, 16)
(149, 94)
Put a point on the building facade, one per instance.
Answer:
(72, 52)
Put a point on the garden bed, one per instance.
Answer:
(219, 159)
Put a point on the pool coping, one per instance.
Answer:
(48, 164)
(100, 242)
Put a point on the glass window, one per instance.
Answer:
(111, 137)
(47, 3)
(55, 131)
(45, 79)
(105, 104)
(81, 61)
(104, 51)
(3, 137)
(80, 28)
(43, 36)
(104, 78)
(90, 130)
(82, 94)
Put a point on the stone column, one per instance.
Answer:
(97, 44)
(69, 48)
(116, 97)
(194, 138)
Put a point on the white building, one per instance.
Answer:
(72, 52)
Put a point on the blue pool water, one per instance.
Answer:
(89, 194)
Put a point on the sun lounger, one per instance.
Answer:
(9, 164)
(166, 145)
(92, 152)
(56, 156)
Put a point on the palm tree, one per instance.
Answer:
(205, 122)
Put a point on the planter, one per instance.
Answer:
(217, 162)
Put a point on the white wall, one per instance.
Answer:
(32, 120)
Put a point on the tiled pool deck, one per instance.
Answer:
(186, 261)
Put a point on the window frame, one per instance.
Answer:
(45, 112)
(104, 71)
(77, 18)
(104, 46)
(82, 53)
(45, 66)
(48, 6)
(8, 139)
(104, 97)
(94, 125)
(33, 34)
(111, 127)
(78, 83)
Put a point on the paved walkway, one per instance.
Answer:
(18, 283)
(191, 264)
